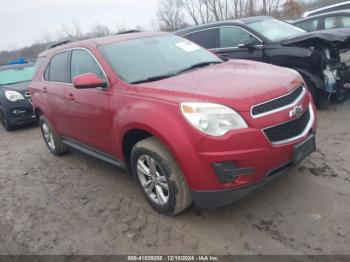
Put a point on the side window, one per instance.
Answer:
(337, 22)
(82, 62)
(57, 70)
(309, 26)
(207, 38)
(233, 36)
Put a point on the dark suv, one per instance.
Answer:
(322, 58)
(187, 125)
(15, 99)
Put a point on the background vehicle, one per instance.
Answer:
(321, 58)
(188, 125)
(331, 20)
(15, 99)
(329, 8)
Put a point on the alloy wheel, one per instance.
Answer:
(153, 179)
(48, 136)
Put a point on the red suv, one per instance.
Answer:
(188, 126)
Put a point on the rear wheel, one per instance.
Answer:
(159, 177)
(52, 141)
(4, 121)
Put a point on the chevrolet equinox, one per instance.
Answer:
(188, 126)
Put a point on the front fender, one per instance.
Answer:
(162, 120)
(313, 77)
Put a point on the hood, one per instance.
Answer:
(332, 37)
(21, 87)
(236, 83)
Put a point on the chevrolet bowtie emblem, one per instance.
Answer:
(296, 112)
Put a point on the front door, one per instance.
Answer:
(237, 43)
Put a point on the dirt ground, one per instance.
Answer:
(76, 204)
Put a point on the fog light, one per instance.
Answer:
(18, 112)
(228, 171)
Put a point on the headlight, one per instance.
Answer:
(13, 96)
(212, 119)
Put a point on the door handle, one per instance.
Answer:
(44, 89)
(71, 97)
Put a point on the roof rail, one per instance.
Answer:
(59, 43)
(129, 32)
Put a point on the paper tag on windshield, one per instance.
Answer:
(188, 46)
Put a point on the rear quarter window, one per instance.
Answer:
(58, 68)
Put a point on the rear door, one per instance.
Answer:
(336, 22)
(89, 108)
(54, 89)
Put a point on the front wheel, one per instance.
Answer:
(4, 121)
(52, 141)
(159, 177)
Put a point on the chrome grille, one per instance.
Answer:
(278, 104)
(291, 130)
(28, 96)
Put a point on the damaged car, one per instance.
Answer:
(322, 58)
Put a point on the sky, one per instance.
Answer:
(23, 22)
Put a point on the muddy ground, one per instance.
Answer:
(76, 204)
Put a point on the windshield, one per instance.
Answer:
(150, 59)
(16, 75)
(275, 30)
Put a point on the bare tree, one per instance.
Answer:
(292, 9)
(170, 15)
(99, 31)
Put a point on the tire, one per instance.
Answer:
(52, 141)
(312, 89)
(4, 121)
(169, 201)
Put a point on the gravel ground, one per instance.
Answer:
(76, 204)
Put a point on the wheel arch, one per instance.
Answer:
(38, 112)
(317, 81)
(135, 133)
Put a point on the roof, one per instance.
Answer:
(103, 41)
(244, 21)
(341, 12)
(308, 13)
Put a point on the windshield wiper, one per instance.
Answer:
(156, 78)
(199, 65)
(153, 78)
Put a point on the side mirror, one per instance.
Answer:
(89, 80)
(248, 43)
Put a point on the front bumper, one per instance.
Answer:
(214, 199)
(20, 113)
(218, 198)
(222, 170)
